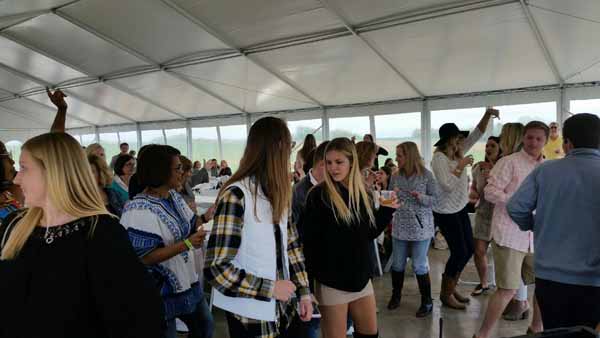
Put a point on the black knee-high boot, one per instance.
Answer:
(397, 285)
(360, 335)
(426, 302)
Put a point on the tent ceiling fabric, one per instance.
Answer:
(36, 111)
(246, 84)
(338, 71)
(160, 34)
(358, 11)
(468, 52)
(254, 21)
(55, 36)
(131, 61)
(169, 91)
(571, 32)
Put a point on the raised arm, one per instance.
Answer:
(476, 134)
(58, 99)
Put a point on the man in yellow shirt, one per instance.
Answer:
(553, 149)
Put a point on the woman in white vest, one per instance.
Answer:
(254, 260)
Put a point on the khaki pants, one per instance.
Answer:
(512, 266)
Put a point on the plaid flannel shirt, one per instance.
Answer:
(223, 245)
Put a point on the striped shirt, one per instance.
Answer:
(505, 178)
(223, 245)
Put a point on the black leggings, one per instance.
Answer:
(566, 305)
(297, 329)
(457, 230)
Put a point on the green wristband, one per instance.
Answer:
(188, 244)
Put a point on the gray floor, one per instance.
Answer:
(402, 323)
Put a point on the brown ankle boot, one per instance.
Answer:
(458, 296)
(447, 294)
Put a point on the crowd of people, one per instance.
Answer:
(119, 249)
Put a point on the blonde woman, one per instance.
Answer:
(412, 226)
(104, 179)
(511, 138)
(254, 259)
(96, 149)
(339, 230)
(66, 261)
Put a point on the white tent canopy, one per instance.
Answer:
(140, 64)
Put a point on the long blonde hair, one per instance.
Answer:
(266, 159)
(413, 164)
(93, 148)
(106, 178)
(356, 186)
(511, 138)
(70, 184)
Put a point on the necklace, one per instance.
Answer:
(48, 236)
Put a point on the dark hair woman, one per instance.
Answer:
(482, 232)
(310, 143)
(164, 232)
(124, 170)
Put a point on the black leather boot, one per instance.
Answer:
(426, 302)
(397, 285)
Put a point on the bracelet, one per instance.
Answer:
(188, 244)
(458, 171)
(203, 219)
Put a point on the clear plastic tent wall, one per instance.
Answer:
(196, 74)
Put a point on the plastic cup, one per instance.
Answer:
(387, 197)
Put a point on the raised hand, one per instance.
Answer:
(57, 98)
(465, 161)
(493, 112)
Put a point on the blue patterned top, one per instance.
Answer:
(154, 223)
(413, 221)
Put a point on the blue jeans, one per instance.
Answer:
(417, 250)
(200, 323)
(313, 328)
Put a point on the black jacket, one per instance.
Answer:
(337, 255)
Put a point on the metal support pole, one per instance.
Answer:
(188, 134)
(426, 133)
(563, 107)
(138, 133)
(325, 123)
(372, 128)
(96, 135)
(220, 142)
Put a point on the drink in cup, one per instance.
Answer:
(387, 197)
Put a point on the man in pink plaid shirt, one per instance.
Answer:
(513, 248)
